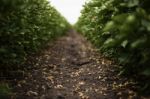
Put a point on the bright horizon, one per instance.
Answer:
(70, 9)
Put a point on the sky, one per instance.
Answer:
(70, 9)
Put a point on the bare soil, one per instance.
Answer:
(71, 68)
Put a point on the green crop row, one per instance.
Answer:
(25, 26)
(121, 30)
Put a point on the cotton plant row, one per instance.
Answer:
(121, 30)
(25, 27)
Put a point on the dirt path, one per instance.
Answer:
(71, 68)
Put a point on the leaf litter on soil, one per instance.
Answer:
(71, 68)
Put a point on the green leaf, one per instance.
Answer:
(146, 24)
(4, 89)
(3, 50)
(146, 72)
(131, 18)
(109, 42)
(120, 18)
(124, 43)
(109, 26)
(138, 43)
(133, 3)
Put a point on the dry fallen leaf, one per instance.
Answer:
(30, 93)
(81, 83)
(50, 77)
(59, 87)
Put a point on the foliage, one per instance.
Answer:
(25, 26)
(120, 29)
(5, 91)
